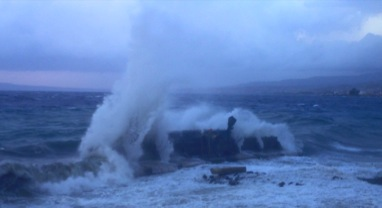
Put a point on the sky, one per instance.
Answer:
(90, 44)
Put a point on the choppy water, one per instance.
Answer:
(322, 123)
(44, 124)
(339, 136)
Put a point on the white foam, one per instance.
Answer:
(321, 184)
(137, 106)
(120, 124)
(346, 148)
(248, 124)
(108, 175)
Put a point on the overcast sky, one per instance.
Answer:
(89, 44)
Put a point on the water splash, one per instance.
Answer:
(204, 116)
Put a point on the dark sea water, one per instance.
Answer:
(46, 127)
(51, 124)
(44, 124)
(324, 124)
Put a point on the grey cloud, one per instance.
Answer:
(215, 56)
(206, 42)
(62, 35)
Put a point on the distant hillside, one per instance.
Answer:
(14, 87)
(367, 83)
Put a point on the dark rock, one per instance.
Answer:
(251, 144)
(228, 170)
(223, 179)
(259, 173)
(376, 180)
(214, 145)
(337, 178)
(147, 171)
(354, 92)
(18, 184)
(154, 167)
(149, 147)
(231, 123)
(211, 179)
(299, 184)
(233, 182)
(281, 184)
(270, 144)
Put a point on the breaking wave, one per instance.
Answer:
(138, 106)
(248, 124)
(22, 179)
(111, 148)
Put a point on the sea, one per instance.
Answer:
(63, 149)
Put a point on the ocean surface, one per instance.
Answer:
(48, 140)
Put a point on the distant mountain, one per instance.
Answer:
(14, 87)
(370, 83)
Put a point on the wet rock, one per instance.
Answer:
(228, 170)
(147, 168)
(233, 182)
(12, 183)
(216, 145)
(337, 178)
(212, 179)
(231, 123)
(230, 179)
(299, 184)
(263, 144)
(376, 180)
(281, 184)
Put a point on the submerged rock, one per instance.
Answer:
(228, 175)
(214, 145)
(233, 181)
(376, 180)
(216, 179)
(14, 183)
(228, 170)
(210, 145)
(147, 168)
(24, 179)
(337, 178)
(281, 184)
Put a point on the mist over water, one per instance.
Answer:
(85, 150)
(205, 116)
(139, 102)
(120, 124)
(138, 107)
(165, 54)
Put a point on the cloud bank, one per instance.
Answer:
(203, 43)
